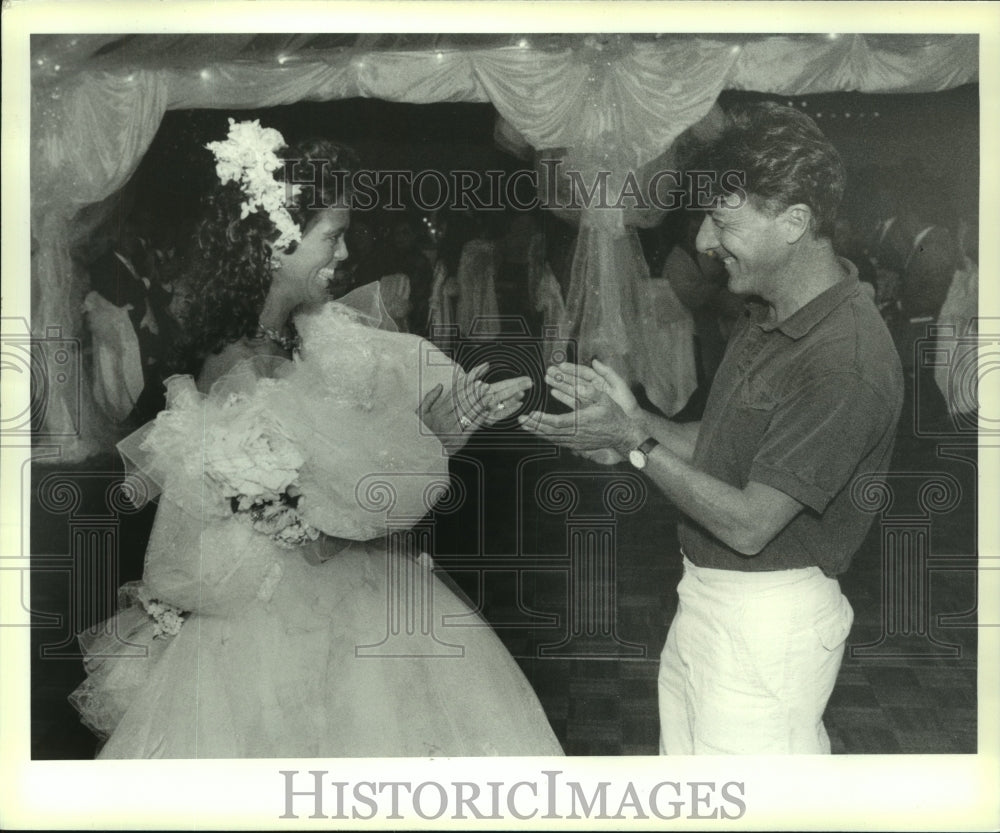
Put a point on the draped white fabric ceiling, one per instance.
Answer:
(620, 100)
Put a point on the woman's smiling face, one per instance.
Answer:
(312, 266)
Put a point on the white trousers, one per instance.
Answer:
(750, 662)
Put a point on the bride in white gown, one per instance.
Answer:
(285, 610)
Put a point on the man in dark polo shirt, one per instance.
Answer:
(806, 399)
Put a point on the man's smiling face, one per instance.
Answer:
(748, 242)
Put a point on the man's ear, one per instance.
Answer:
(796, 220)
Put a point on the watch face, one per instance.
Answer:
(637, 458)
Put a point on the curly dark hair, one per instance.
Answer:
(232, 255)
(785, 160)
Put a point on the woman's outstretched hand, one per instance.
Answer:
(453, 415)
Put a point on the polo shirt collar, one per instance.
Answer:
(803, 320)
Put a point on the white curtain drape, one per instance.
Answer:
(609, 102)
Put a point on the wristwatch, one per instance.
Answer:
(638, 457)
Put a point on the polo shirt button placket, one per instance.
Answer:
(754, 344)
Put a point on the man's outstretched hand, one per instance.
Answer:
(606, 418)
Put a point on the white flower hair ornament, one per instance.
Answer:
(248, 157)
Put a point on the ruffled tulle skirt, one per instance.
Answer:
(367, 654)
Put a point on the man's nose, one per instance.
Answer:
(707, 239)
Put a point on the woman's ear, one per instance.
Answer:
(274, 259)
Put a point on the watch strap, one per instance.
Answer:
(648, 445)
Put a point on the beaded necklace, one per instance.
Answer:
(290, 343)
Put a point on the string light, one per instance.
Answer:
(523, 43)
(205, 75)
(832, 36)
(282, 59)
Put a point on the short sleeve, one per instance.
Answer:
(819, 435)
